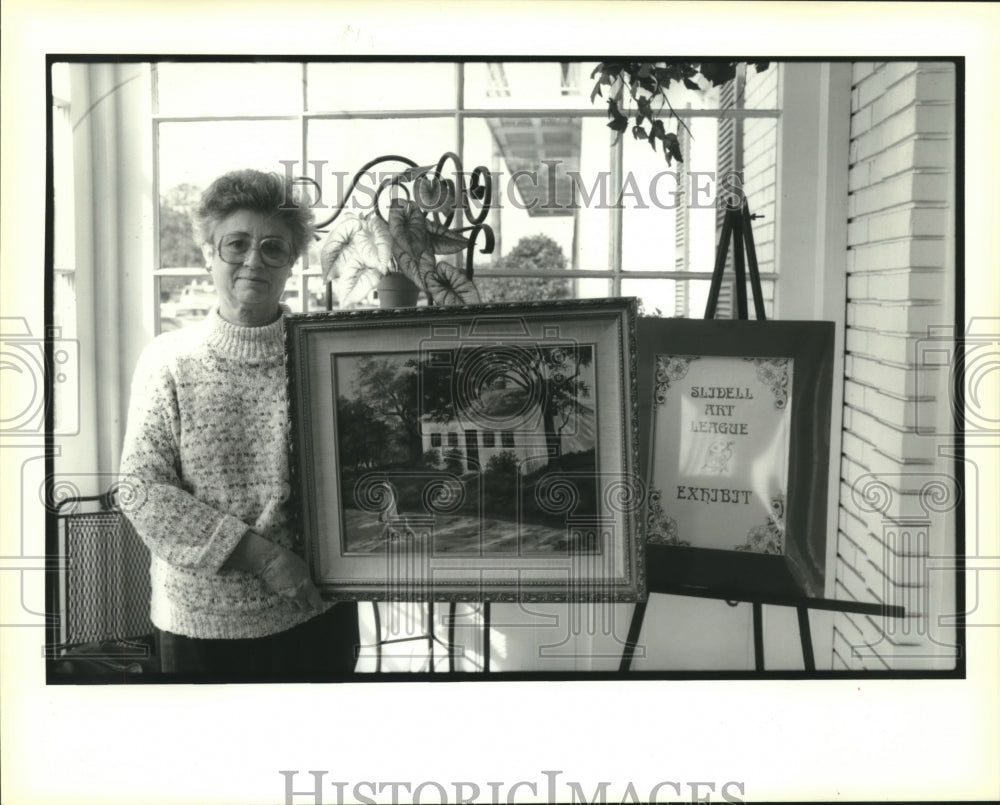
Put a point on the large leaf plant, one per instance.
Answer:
(362, 248)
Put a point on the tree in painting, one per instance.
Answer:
(507, 387)
(364, 434)
(388, 394)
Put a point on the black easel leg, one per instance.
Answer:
(378, 637)
(451, 637)
(430, 636)
(739, 266)
(720, 267)
(486, 637)
(758, 637)
(634, 629)
(806, 635)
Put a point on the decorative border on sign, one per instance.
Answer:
(669, 369)
(769, 538)
(661, 529)
(773, 373)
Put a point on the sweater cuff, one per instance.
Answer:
(224, 539)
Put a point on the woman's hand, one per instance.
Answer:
(280, 569)
(286, 573)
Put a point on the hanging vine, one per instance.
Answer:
(637, 95)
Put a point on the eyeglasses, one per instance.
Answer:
(236, 247)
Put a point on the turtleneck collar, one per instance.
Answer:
(246, 343)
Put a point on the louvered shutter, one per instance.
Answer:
(682, 227)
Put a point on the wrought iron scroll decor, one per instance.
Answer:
(458, 202)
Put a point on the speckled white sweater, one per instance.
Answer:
(205, 458)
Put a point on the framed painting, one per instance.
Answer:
(480, 453)
(738, 418)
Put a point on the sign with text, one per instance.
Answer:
(734, 420)
(721, 430)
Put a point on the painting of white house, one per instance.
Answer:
(468, 450)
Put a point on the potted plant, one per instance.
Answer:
(397, 253)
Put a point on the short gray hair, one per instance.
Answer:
(257, 191)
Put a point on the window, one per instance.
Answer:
(435, 440)
(452, 439)
(573, 214)
(489, 438)
(507, 438)
(64, 275)
(64, 240)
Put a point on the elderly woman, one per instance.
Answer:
(206, 461)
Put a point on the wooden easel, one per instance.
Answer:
(737, 222)
(736, 229)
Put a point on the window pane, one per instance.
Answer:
(760, 159)
(380, 86)
(64, 214)
(310, 261)
(185, 300)
(550, 185)
(670, 215)
(649, 198)
(214, 88)
(668, 298)
(344, 146)
(530, 289)
(767, 289)
(528, 85)
(689, 298)
(314, 294)
(668, 211)
(523, 289)
(726, 308)
(193, 154)
(304, 293)
(593, 288)
(60, 83)
(703, 178)
(62, 172)
(347, 145)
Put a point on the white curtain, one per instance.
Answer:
(112, 281)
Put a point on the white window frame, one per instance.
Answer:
(614, 273)
(811, 257)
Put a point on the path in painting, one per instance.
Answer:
(457, 534)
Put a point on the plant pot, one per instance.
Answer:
(397, 290)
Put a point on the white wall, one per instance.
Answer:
(899, 491)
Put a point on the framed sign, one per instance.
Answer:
(468, 453)
(738, 416)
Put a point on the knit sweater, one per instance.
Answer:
(205, 458)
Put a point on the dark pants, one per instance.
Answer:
(323, 648)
